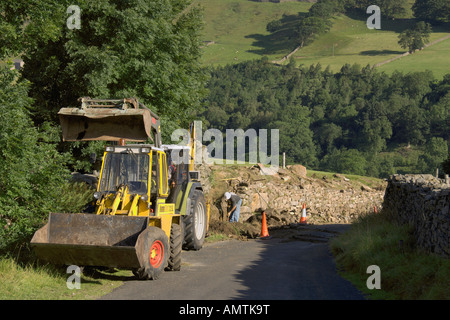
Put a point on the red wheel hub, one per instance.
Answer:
(156, 254)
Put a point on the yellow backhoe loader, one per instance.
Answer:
(146, 208)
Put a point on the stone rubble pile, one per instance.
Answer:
(328, 199)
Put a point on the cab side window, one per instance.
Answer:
(154, 173)
(163, 174)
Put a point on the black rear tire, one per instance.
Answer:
(176, 242)
(195, 222)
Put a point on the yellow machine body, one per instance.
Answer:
(137, 213)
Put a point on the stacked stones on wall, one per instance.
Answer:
(423, 201)
(328, 199)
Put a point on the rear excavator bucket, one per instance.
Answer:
(109, 120)
(92, 240)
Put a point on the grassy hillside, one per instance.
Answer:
(435, 58)
(353, 42)
(236, 31)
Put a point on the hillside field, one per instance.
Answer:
(235, 31)
(238, 29)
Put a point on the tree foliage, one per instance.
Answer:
(26, 23)
(307, 27)
(32, 171)
(330, 120)
(144, 49)
(389, 8)
(415, 38)
(435, 11)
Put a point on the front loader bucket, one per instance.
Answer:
(106, 124)
(90, 240)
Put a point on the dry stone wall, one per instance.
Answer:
(328, 199)
(423, 201)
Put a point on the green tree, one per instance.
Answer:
(375, 127)
(349, 161)
(392, 8)
(436, 151)
(25, 23)
(412, 126)
(386, 167)
(389, 8)
(432, 10)
(145, 49)
(446, 165)
(32, 172)
(324, 8)
(296, 138)
(440, 117)
(310, 27)
(416, 38)
(327, 134)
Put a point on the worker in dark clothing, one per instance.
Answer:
(236, 202)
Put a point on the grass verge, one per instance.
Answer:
(46, 282)
(406, 272)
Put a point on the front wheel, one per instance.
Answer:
(195, 222)
(155, 253)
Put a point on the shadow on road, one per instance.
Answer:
(295, 264)
(289, 268)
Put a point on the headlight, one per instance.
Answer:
(145, 150)
(144, 197)
(97, 195)
(109, 149)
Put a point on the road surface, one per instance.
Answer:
(274, 269)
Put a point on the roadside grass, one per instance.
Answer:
(46, 282)
(216, 237)
(407, 273)
(23, 277)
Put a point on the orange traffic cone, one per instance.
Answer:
(303, 218)
(264, 231)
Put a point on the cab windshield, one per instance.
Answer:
(125, 169)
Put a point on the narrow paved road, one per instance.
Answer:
(273, 269)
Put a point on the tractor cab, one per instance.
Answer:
(133, 179)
